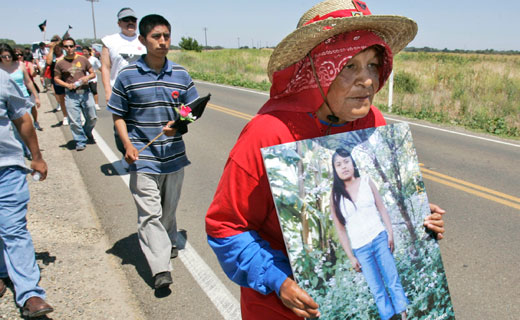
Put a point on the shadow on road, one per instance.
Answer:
(45, 257)
(129, 251)
(71, 145)
(113, 169)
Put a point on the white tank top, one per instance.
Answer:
(363, 221)
(123, 51)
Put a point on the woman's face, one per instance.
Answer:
(86, 53)
(6, 57)
(351, 93)
(19, 55)
(344, 167)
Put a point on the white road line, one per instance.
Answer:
(216, 291)
(389, 118)
(454, 132)
(231, 87)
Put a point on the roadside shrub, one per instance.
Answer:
(405, 82)
(190, 44)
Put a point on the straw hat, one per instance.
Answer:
(332, 17)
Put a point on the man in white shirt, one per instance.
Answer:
(120, 49)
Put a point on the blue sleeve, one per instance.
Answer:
(17, 105)
(118, 102)
(249, 261)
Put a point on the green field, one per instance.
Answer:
(479, 92)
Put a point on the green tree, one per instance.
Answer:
(190, 44)
(9, 42)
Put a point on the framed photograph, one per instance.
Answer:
(351, 208)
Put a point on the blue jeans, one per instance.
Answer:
(18, 260)
(378, 267)
(78, 104)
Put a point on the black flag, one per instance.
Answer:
(67, 34)
(42, 26)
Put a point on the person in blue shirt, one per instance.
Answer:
(143, 102)
(17, 259)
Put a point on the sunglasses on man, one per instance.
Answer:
(129, 19)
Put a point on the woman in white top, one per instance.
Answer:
(365, 232)
(96, 64)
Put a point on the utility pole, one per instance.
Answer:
(93, 19)
(238, 39)
(206, 36)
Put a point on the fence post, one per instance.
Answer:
(390, 91)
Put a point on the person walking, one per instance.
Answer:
(73, 73)
(92, 83)
(157, 171)
(16, 69)
(119, 50)
(55, 54)
(26, 60)
(324, 77)
(18, 261)
(40, 56)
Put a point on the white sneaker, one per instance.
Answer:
(65, 121)
(58, 108)
(97, 107)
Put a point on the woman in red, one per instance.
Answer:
(324, 77)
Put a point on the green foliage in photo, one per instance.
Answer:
(300, 175)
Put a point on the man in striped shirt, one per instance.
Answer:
(142, 103)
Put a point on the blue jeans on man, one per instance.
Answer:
(81, 102)
(378, 267)
(17, 261)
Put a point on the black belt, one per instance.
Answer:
(79, 91)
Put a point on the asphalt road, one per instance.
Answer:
(475, 180)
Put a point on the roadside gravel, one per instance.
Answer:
(82, 281)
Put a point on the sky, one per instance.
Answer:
(462, 24)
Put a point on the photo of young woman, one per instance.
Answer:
(365, 232)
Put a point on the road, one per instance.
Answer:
(475, 180)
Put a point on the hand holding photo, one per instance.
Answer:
(352, 209)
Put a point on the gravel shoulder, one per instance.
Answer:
(82, 281)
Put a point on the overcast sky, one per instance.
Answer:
(462, 24)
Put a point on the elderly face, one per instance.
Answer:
(351, 93)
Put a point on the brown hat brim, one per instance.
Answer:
(396, 31)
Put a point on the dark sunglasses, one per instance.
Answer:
(129, 19)
(68, 46)
(6, 57)
(19, 54)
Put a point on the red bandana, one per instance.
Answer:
(294, 88)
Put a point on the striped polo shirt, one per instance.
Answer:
(145, 100)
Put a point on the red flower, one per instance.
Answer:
(175, 94)
(185, 111)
